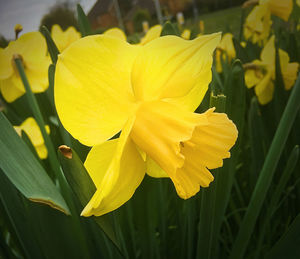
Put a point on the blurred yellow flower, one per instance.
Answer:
(32, 49)
(201, 26)
(103, 85)
(62, 38)
(18, 29)
(258, 23)
(298, 2)
(32, 130)
(145, 25)
(225, 50)
(186, 34)
(280, 8)
(261, 73)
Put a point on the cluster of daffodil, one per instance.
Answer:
(257, 29)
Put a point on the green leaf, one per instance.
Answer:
(84, 24)
(83, 187)
(169, 29)
(288, 244)
(24, 171)
(52, 48)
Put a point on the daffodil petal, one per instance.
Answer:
(41, 151)
(117, 33)
(290, 75)
(6, 69)
(268, 53)
(153, 33)
(31, 46)
(160, 74)
(9, 90)
(93, 93)
(117, 169)
(264, 90)
(154, 170)
(280, 8)
(33, 131)
(38, 80)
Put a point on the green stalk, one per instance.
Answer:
(51, 153)
(267, 172)
(206, 230)
(40, 121)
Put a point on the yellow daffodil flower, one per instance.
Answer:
(104, 85)
(32, 130)
(63, 39)
(225, 49)
(258, 23)
(282, 9)
(186, 34)
(261, 73)
(32, 49)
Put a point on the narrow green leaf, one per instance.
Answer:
(24, 171)
(52, 48)
(267, 172)
(288, 244)
(168, 29)
(83, 187)
(84, 24)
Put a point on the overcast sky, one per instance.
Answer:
(28, 13)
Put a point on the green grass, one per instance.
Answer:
(227, 20)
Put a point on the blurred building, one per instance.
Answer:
(103, 14)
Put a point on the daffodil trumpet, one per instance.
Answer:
(104, 85)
